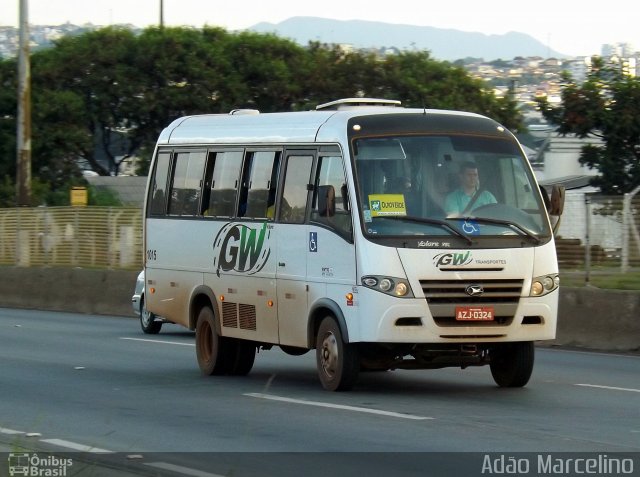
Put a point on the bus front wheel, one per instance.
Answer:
(214, 352)
(338, 362)
(512, 364)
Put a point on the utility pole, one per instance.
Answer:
(161, 13)
(23, 153)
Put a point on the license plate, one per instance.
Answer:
(474, 313)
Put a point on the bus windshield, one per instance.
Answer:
(448, 184)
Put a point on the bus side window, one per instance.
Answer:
(187, 183)
(159, 187)
(224, 184)
(260, 183)
(294, 196)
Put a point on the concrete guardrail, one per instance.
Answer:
(589, 318)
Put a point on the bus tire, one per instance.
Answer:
(512, 364)
(214, 352)
(338, 362)
(245, 355)
(148, 321)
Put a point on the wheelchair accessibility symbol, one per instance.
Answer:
(313, 241)
(470, 228)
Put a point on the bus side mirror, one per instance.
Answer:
(554, 204)
(345, 197)
(326, 201)
(557, 200)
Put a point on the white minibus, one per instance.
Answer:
(383, 237)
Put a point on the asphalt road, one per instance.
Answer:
(97, 385)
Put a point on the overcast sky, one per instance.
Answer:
(569, 27)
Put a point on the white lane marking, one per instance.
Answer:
(159, 341)
(4, 430)
(75, 446)
(338, 406)
(181, 470)
(613, 388)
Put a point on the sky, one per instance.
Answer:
(576, 28)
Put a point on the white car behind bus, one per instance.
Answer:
(149, 322)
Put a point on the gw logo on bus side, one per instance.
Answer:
(452, 259)
(241, 248)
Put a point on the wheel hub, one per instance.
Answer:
(329, 354)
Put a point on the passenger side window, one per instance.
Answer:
(224, 183)
(294, 197)
(258, 191)
(187, 183)
(159, 185)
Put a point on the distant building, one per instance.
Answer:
(579, 68)
(622, 50)
(557, 156)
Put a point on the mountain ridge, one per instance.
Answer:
(443, 43)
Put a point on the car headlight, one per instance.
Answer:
(393, 286)
(543, 285)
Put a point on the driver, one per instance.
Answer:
(469, 195)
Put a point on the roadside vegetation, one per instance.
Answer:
(604, 106)
(106, 94)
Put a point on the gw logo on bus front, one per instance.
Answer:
(459, 259)
(241, 248)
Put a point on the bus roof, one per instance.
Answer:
(290, 127)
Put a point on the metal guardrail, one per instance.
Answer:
(88, 237)
(599, 234)
(595, 232)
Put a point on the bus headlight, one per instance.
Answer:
(389, 285)
(540, 286)
(386, 285)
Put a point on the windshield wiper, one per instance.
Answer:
(441, 223)
(506, 223)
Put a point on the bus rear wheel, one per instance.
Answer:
(338, 362)
(244, 355)
(512, 364)
(214, 352)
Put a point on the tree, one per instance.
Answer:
(53, 168)
(85, 90)
(604, 106)
(420, 81)
(108, 93)
(8, 116)
(263, 71)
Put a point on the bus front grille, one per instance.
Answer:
(443, 296)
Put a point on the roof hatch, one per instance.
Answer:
(348, 103)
